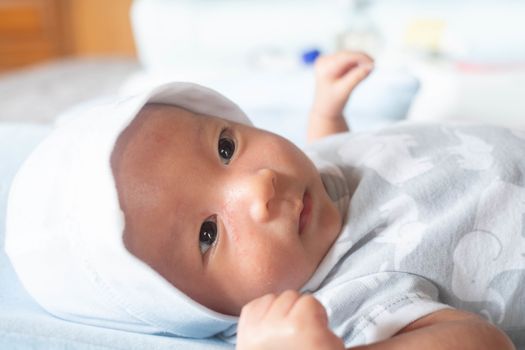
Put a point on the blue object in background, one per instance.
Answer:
(383, 98)
(309, 56)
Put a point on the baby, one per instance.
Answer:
(170, 213)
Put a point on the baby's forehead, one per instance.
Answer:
(151, 120)
(158, 137)
(146, 127)
(158, 127)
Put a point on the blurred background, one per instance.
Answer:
(436, 60)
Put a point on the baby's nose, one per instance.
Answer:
(260, 191)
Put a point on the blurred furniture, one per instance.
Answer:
(101, 27)
(39, 30)
(31, 31)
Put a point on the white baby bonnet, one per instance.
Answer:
(64, 225)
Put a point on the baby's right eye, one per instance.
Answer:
(207, 235)
(225, 146)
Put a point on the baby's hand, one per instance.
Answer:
(336, 77)
(287, 321)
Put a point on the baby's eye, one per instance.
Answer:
(207, 235)
(226, 148)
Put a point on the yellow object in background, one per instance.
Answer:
(425, 34)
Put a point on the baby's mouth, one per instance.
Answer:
(304, 217)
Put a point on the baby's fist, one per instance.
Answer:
(336, 77)
(287, 321)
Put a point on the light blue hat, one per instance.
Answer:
(65, 226)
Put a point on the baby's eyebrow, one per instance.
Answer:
(206, 134)
(201, 130)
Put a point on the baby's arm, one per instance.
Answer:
(294, 321)
(336, 76)
(446, 329)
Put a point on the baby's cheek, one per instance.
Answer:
(270, 272)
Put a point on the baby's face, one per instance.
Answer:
(224, 211)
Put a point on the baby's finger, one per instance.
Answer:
(336, 65)
(255, 310)
(357, 57)
(333, 66)
(340, 66)
(309, 309)
(283, 304)
(356, 75)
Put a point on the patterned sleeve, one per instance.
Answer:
(376, 307)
